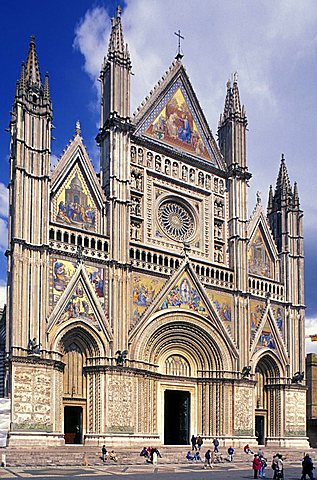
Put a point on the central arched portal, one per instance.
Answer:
(267, 421)
(76, 345)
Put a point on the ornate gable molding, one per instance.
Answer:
(100, 322)
(268, 319)
(175, 86)
(209, 314)
(76, 152)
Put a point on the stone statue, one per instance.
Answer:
(33, 347)
(121, 357)
(246, 371)
(298, 377)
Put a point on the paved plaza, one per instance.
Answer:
(138, 472)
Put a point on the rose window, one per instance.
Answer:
(176, 220)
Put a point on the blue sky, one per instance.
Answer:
(272, 44)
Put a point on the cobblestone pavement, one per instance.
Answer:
(144, 472)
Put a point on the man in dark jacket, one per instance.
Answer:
(308, 467)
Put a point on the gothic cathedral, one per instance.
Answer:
(144, 305)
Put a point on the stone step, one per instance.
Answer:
(79, 455)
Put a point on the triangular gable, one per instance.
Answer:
(172, 117)
(79, 301)
(184, 292)
(76, 193)
(262, 251)
(62, 271)
(268, 336)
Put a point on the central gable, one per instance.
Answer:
(172, 117)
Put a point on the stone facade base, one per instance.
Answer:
(122, 439)
(29, 439)
(287, 442)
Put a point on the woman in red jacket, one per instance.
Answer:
(256, 465)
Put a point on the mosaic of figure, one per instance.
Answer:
(266, 339)
(223, 305)
(78, 306)
(184, 295)
(62, 272)
(176, 125)
(279, 316)
(144, 291)
(260, 262)
(75, 207)
(256, 312)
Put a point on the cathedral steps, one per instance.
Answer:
(76, 455)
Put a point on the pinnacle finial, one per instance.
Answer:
(46, 88)
(258, 197)
(119, 10)
(32, 67)
(78, 129)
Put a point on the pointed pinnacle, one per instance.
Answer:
(116, 42)
(295, 196)
(78, 129)
(22, 79)
(32, 67)
(46, 88)
(270, 200)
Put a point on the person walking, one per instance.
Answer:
(256, 465)
(308, 467)
(208, 459)
(263, 461)
(193, 441)
(199, 442)
(104, 453)
(280, 467)
(216, 445)
(230, 454)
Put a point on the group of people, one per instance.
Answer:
(259, 463)
(196, 442)
(151, 454)
(105, 454)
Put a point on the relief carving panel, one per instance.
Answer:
(32, 399)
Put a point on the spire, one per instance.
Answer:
(116, 42)
(270, 201)
(295, 197)
(46, 89)
(232, 101)
(32, 67)
(22, 79)
(283, 190)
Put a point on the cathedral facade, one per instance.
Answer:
(144, 305)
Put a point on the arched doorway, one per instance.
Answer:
(76, 345)
(267, 399)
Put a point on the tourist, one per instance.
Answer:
(155, 454)
(280, 467)
(274, 466)
(189, 456)
(197, 457)
(256, 465)
(199, 442)
(193, 441)
(144, 452)
(104, 453)
(230, 454)
(263, 461)
(216, 445)
(113, 456)
(308, 467)
(208, 459)
(247, 449)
